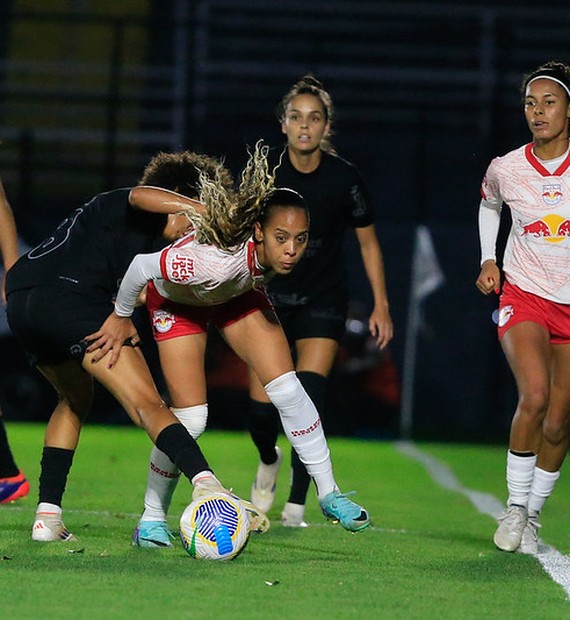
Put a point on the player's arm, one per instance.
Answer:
(380, 322)
(8, 236)
(118, 327)
(489, 279)
(159, 200)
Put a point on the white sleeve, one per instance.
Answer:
(143, 268)
(489, 223)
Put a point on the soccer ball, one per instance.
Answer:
(214, 527)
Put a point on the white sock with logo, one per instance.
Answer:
(302, 425)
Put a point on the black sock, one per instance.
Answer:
(179, 446)
(56, 463)
(264, 425)
(8, 467)
(315, 385)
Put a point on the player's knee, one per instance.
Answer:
(555, 432)
(286, 392)
(534, 403)
(193, 418)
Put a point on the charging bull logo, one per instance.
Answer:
(552, 227)
(552, 194)
(162, 321)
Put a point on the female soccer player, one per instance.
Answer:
(63, 290)
(534, 311)
(312, 303)
(216, 274)
(13, 483)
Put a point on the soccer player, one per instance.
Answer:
(216, 274)
(312, 303)
(13, 483)
(63, 290)
(534, 310)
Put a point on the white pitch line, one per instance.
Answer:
(553, 562)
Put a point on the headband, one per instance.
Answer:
(549, 77)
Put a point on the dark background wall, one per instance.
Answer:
(426, 93)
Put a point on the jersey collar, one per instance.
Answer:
(535, 163)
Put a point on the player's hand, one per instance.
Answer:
(489, 279)
(109, 339)
(380, 326)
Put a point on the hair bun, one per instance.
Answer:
(310, 80)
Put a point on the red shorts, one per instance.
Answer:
(171, 320)
(517, 305)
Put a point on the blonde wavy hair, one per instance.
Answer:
(229, 215)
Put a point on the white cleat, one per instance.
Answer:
(263, 489)
(293, 515)
(511, 526)
(208, 485)
(529, 540)
(258, 521)
(48, 527)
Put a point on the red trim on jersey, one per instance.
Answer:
(533, 161)
(163, 263)
(251, 262)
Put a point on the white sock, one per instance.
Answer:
(160, 485)
(302, 425)
(542, 486)
(163, 475)
(520, 472)
(47, 507)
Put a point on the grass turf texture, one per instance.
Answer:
(428, 555)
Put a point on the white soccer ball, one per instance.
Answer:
(214, 527)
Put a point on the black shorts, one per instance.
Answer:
(322, 318)
(51, 323)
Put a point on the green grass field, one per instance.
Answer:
(428, 555)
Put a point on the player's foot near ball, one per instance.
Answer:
(208, 485)
(152, 535)
(338, 507)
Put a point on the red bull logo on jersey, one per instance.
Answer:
(162, 321)
(554, 228)
(552, 194)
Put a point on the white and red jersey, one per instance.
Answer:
(193, 273)
(537, 254)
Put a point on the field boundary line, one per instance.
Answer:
(554, 563)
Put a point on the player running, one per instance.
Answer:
(534, 313)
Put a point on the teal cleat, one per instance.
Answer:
(338, 507)
(152, 534)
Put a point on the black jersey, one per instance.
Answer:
(336, 198)
(91, 249)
